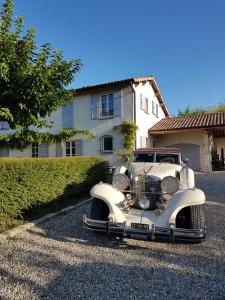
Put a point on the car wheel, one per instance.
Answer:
(191, 217)
(197, 217)
(99, 210)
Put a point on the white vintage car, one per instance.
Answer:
(152, 196)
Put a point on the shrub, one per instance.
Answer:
(28, 182)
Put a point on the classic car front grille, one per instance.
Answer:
(147, 187)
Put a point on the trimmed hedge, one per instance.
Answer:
(27, 182)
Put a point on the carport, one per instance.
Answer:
(200, 137)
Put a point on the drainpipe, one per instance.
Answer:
(134, 111)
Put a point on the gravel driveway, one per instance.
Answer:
(61, 260)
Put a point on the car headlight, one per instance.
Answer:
(169, 185)
(144, 203)
(120, 181)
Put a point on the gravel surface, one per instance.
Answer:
(61, 260)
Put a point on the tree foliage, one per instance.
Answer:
(32, 81)
(220, 107)
(23, 137)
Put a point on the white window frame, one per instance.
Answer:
(102, 144)
(34, 149)
(108, 114)
(70, 145)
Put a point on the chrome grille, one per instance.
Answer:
(148, 187)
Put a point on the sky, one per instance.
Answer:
(180, 42)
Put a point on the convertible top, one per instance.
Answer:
(158, 150)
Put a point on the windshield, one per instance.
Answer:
(143, 157)
(169, 158)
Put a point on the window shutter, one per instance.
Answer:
(157, 110)
(117, 103)
(94, 106)
(4, 151)
(143, 141)
(141, 102)
(43, 150)
(67, 116)
(79, 147)
(153, 107)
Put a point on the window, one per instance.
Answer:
(107, 144)
(167, 157)
(70, 148)
(34, 149)
(144, 103)
(143, 157)
(155, 108)
(106, 106)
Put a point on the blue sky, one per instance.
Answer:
(180, 42)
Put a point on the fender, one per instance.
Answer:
(112, 197)
(185, 198)
(187, 176)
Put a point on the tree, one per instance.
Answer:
(32, 81)
(220, 107)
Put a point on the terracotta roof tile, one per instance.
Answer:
(216, 119)
(124, 83)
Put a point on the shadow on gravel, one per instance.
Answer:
(145, 274)
(74, 264)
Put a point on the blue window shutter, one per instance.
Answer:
(117, 103)
(94, 106)
(67, 116)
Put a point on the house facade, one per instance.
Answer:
(99, 108)
(200, 137)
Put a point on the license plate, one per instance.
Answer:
(139, 226)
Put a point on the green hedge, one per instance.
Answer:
(27, 182)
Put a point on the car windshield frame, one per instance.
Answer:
(151, 157)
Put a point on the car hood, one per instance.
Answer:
(160, 170)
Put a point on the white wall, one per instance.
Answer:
(26, 152)
(101, 127)
(146, 120)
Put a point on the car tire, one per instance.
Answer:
(191, 217)
(99, 210)
(197, 217)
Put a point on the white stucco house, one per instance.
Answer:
(99, 108)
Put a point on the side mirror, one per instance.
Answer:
(185, 160)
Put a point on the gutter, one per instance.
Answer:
(134, 111)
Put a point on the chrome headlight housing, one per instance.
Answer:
(120, 181)
(144, 203)
(169, 185)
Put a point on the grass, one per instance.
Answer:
(9, 223)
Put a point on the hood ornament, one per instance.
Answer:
(146, 173)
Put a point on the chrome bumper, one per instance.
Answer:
(155, 233)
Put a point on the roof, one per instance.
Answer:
(158, 150)
(121, 84)
(209, 120)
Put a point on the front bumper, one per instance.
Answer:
(155, 233)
